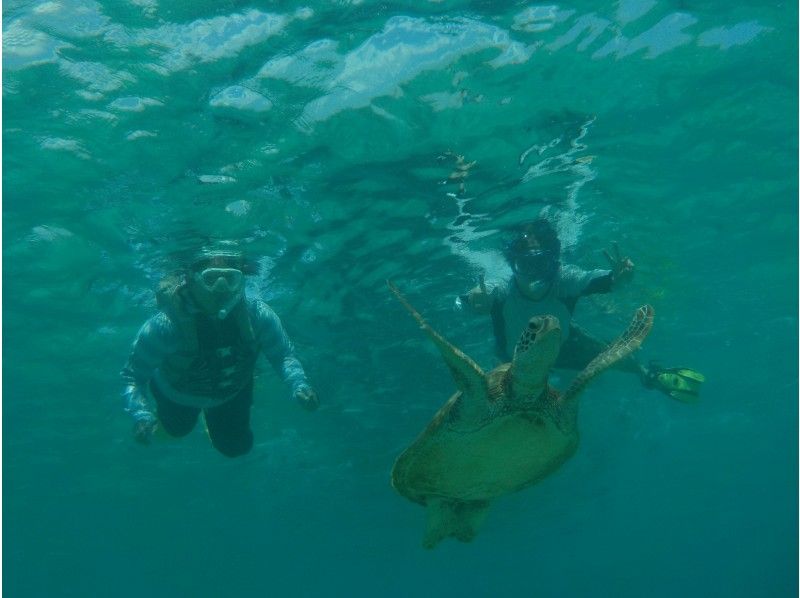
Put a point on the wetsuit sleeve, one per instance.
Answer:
(277, 347)
(151, 346)
(577, 283)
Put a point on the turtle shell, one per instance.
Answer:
(513, 448)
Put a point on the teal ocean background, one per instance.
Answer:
(322, 137)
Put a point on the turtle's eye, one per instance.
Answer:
(535, 325)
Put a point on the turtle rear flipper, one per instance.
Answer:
(456, 518)
(627, 343)
(468, 376)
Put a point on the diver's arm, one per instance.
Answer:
(601, 282)
(149, 349)
(278, 348)
(578, 283)
(575, 282)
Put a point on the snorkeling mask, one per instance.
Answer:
(534, 257)
(217, 281)
(539, 264)
(535, 270)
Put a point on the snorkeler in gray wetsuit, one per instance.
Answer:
(540, 284)
(199, 352)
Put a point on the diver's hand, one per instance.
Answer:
(144, 429)
(621, 266)
(479, 298)
(307, 398)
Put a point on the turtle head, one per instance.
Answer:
(534, 355)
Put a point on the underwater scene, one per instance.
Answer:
(210, 389)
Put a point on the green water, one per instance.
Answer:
(317, 136)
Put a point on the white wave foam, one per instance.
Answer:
(727, 37)
(404, 49)
(237, 97)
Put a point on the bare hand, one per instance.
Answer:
(144, 429)
(621, 266)
(479, 297)
(307, 398)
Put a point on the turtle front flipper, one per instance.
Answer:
(468, 375)
(627, 343)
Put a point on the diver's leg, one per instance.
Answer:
(229, 424)
(176, 420)
(581, 347)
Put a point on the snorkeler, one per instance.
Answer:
(541, 284)
(199, 352)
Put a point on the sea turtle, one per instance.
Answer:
(501, 431)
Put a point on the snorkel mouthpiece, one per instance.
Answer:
(537, 288)
(229, 305)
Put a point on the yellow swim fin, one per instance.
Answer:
(682, 384)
